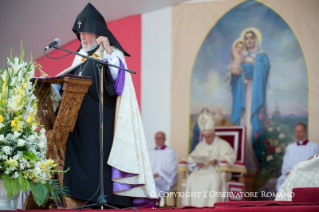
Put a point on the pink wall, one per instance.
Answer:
(127, 31)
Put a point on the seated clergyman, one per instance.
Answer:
(207, 177)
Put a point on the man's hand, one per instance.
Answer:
(155, 175)
(200, 165)
(287, 173)
(106, 44)
(213, 162)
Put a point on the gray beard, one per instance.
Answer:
(91, 46)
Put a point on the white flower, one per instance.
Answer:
(278, 128)
(41, 145)
(1, 125)
(22, 166)
(281, 135)
(21, 142)
(16, 134)
(42, 131)
(13, 106)
(16, 157)
(22, 160)
(43, 137)
(278, 149)
(37, 168)
(269, 158)
(43, 175)
(4, 157)
(6, 150)
(7, 172)
(16, 66)
(16, 175)
(13, 81)
(4, 75)
(34, 127)
(29, 110)
(1, 137)
(31, 138)
(270, 129)
(31, 73)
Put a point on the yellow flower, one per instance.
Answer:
(46, 164)
(13, 123)
(29, 119)
(1, 118)
(26, 173)
(18, 126)
(11, 162)
(24, 85)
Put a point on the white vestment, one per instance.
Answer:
(304, 174)
(294, 154)
(164, 163)
(208, 180)
(129, 152)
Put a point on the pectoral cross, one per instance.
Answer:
(79, 23)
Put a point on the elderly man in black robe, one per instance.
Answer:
(127, 181)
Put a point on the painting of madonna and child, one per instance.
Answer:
(250, 69)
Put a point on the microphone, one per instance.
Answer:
(55, 42)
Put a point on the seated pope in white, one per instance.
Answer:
(207, 179)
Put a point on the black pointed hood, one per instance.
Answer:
(91, 20)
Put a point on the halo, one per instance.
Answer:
(256, 31)
(235, 42)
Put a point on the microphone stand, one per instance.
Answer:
(96, 60)
(101, 201)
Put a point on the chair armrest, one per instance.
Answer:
(224, 166)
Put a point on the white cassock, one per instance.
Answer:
(296, 152)
(208, 179)
(304, 174)
(164, 163)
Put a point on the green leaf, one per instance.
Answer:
(29, 155)
(12, 186)
(54, 196)
(39, 192)
(24, 185)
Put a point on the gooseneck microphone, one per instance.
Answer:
(55, 42)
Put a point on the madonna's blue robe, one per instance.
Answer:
(259, 74)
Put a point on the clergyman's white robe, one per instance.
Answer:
(164, 163)
(295, 153)
(208, 180)
(304, 174)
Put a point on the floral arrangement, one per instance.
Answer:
(276, 135)
(23, 143)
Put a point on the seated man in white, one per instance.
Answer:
(207, 179)
(164, 164)
(296, 152)
(304, 174)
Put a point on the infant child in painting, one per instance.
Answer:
(236, 57)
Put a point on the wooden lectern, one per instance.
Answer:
(59, 126)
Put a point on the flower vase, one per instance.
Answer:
(4, 201)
